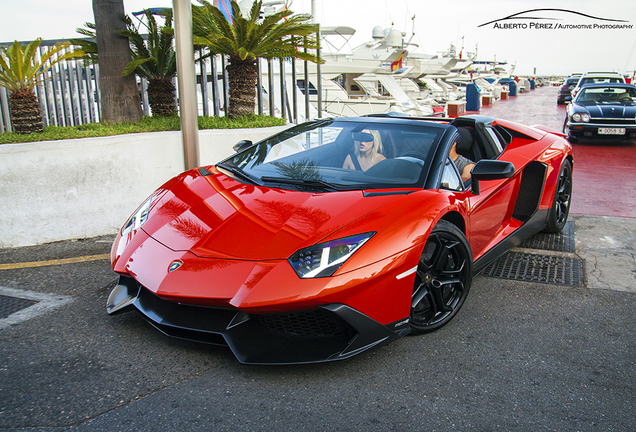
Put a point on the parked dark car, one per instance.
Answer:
(566, 89)
(605, 111)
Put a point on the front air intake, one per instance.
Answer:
(310, 323)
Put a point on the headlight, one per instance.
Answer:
(138, 218)
(324, 259)
(581, 117)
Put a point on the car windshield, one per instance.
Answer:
(341, 155)
(606, 94)
(600, 80)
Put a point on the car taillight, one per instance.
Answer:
(564, 87)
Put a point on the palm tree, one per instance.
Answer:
(154, 59)
(246, 39)
(20, 71)
(120, 100)
(88, 45)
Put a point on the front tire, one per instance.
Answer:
(443, 278)
(562, 199)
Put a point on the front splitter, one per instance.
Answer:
(249, 337)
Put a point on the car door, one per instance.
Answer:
(488, 213)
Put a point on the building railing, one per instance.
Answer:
(70, 95)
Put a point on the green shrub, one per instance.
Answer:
(147, 124)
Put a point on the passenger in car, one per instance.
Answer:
(463, 164)
(367, 151)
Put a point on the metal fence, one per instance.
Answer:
(70, 95)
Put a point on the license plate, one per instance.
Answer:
(611, 131)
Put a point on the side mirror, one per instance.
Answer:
(487, 169)
(568, 99)
(241, 145)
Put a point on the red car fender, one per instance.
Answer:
(279, 289)
(401, 225)
(553, 157)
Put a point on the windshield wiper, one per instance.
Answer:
(311, 183)
(239, 173)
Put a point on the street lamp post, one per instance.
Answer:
(318, 74)
(186, 82)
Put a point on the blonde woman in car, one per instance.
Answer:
(367, 151)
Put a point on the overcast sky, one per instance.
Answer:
(438, 23)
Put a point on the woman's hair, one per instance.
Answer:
(377, 144)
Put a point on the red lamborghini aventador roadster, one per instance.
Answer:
(337, 235)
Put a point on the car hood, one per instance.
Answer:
(216, 216)
(600, 110)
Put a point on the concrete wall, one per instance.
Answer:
(60, 190)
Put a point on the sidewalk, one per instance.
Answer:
(603, 175)
(608, 246)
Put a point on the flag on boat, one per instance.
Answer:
(397, 64)
(225, 6)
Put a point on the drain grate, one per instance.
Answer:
(9, 305)
(562, 242)
(538, 268)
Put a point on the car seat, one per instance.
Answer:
(625, 97)
(465, 145)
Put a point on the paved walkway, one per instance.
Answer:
(603, 199)
(604, 176)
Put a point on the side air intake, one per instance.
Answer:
(532, 180)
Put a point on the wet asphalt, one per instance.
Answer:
(519, 356)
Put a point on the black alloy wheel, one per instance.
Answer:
(442, 280)
(562, 200)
